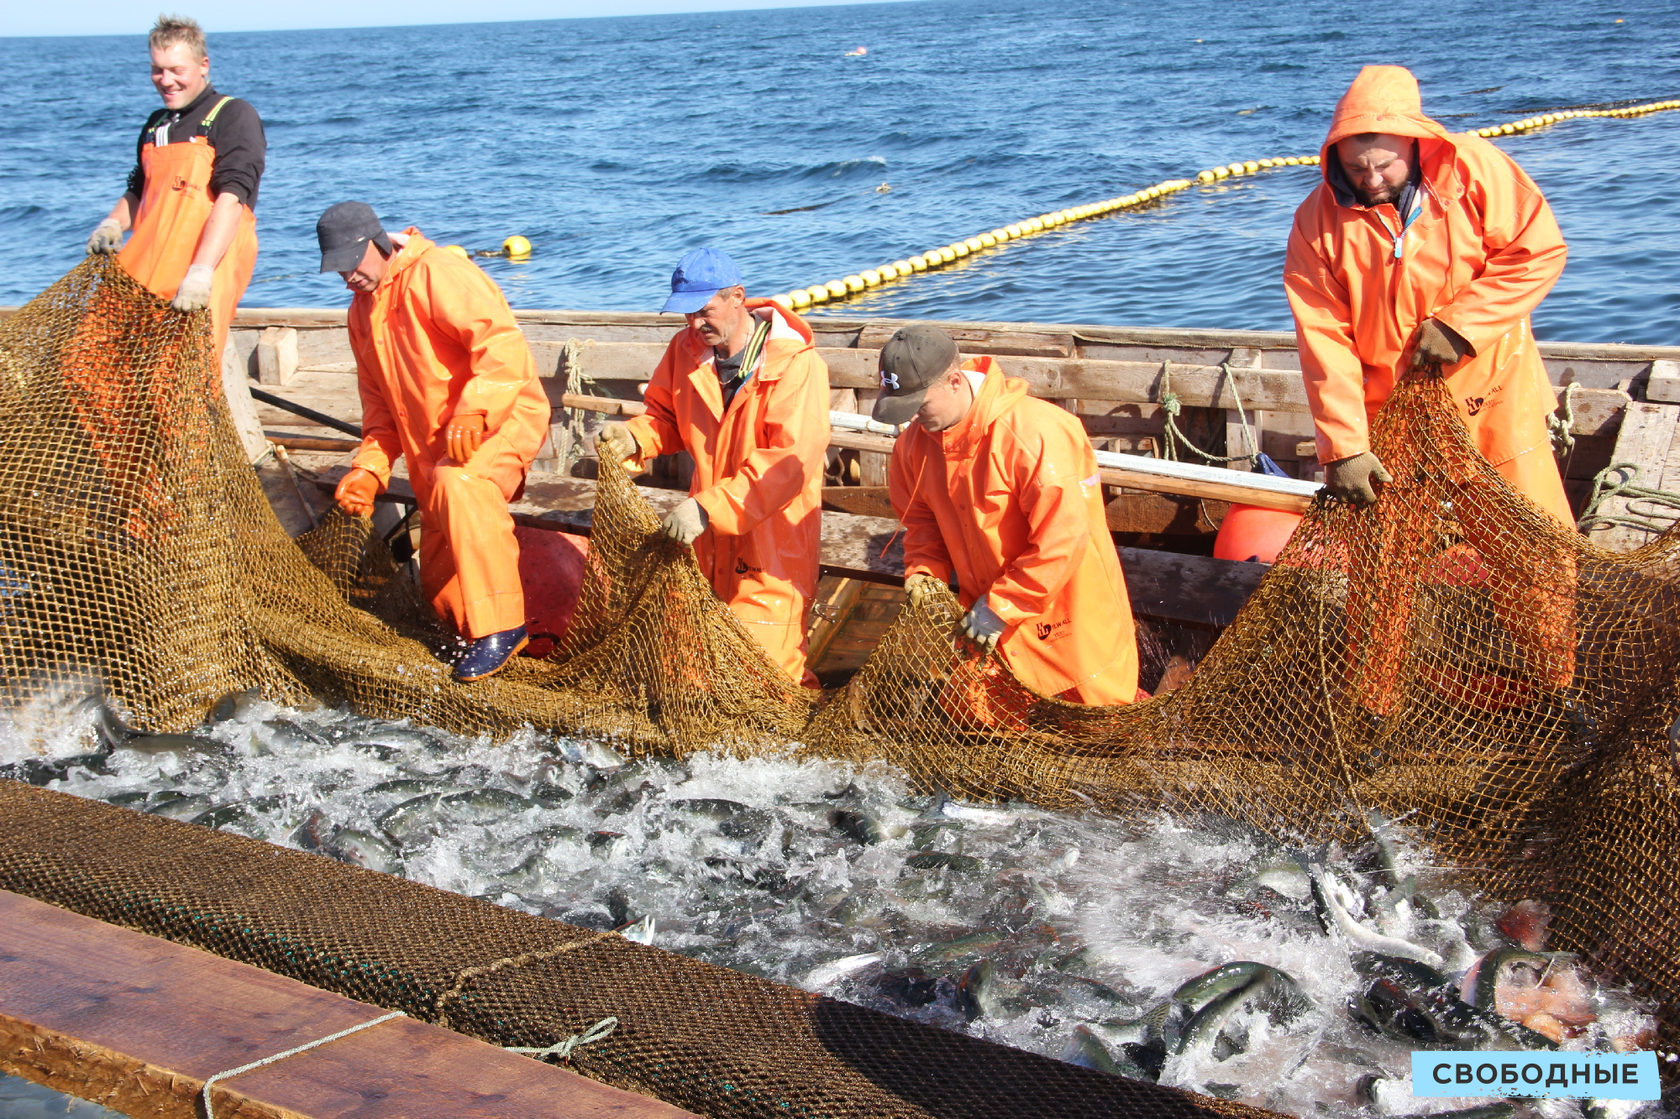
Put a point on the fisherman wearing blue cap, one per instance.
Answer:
(742, 390)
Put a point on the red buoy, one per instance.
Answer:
(1249, 532)
(551, 566)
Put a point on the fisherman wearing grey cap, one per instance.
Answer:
(1000, 493)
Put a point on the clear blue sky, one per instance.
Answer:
(125, 17)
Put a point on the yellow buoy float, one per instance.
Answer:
(934, 259)
(516, 248)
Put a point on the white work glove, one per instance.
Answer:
(686, 522)
(107, 237)
(982, 626)
(194, 292)
(922, 588)
(615, 439)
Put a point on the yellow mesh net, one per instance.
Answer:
(1450, 655)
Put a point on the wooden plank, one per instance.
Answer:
(990, 340)
(1664, 384)
(1070, 379)
(1646, 437)
(138, 1024)
(1196, 590)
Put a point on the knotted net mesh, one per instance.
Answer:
(1450, 655)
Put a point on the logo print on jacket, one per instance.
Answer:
(1052, 631)
(1474, 404)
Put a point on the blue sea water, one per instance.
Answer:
(614, 144)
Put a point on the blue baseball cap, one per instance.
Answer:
(700, 275)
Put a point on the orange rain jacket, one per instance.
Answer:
(1482, 253)
(436, 339)
(1009, 501)
(758, 471)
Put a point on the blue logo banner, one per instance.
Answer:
(1605, 1076)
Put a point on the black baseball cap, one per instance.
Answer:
(344, 231)
(913, 358)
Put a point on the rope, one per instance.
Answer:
(1561, 423)
(563, 1049)
(1617, 481)
(467, 975)
(209, 1112)
(572, 358)
(1171, 406)
(836, 291)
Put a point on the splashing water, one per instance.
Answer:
(1044, 930)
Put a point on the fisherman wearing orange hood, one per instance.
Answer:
(1422, 249)
(447, 381)
(741, 389)
(1000, 492)
(192, 193)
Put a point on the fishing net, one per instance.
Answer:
(1450, 656)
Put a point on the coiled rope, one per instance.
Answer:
(836, 291)
(1648, 509)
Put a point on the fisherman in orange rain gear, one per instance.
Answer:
(1422, 249)
(447, 381)
(1426, 250)
(193, 191)
(1000, 491)
(742, 389)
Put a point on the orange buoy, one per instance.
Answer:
(1249, 532)
(551, 566)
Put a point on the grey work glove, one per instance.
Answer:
(1436, 344)
(107, 237)
(686, 522)
(982, 626)
(922, 588)
(615, 439)
(1349, 479)
(194, 292)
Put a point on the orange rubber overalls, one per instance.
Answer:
(436, 339)
(171, 220)
(758, 470)
(1478, 254)
(121, 402)
(1009, 501)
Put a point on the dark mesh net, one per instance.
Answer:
(1451, 655)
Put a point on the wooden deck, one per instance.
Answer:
(138, 1024)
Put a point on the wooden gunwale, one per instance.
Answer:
(138, 1023)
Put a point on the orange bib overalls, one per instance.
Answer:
(171, 220)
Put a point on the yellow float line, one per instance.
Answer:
(836, 291)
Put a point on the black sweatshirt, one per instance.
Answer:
(236, 134)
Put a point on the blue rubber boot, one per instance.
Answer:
(488, 655)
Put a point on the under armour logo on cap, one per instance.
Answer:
(912, 359)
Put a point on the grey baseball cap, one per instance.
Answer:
(344, 231)
(913, 358)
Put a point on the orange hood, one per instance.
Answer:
(1382, 99)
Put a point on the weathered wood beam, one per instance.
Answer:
(1596, 410)
(138, 1024)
